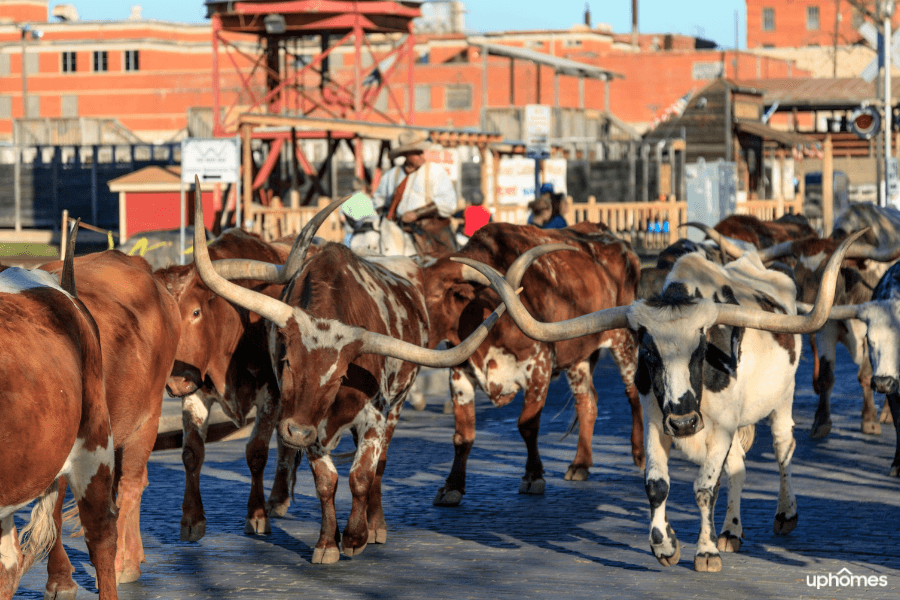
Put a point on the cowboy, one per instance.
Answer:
(420, 197)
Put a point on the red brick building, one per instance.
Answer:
(150, 74)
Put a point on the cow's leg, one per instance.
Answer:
(732, 530)
(195, 420)
(257, 454)
(826, 340)
(894, 402)
(11, 558)
(462, 392)
(370, 429)
(530, 422)
(91, 480)
(375, 511)
(886, 416)
(854, 338)
(624, 351)
(60, 585)
(135, 454)
(813, 350)
(582, 385)
(284, 480)
(706, 491)
(663, 542)
(327, 548)
(782, 426)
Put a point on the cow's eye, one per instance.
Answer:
(196, 312)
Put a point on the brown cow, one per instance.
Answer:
(223, 357)
(336, 336)
(602, 273)
(139, 328)
(52, 374)
(764, 234)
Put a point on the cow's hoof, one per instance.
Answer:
(193, 533)
(377, 536)
(895, 471)
(54, 592)
(672, 559)
(574, 473)
(325, 556)
(128, 575)
(820, 430)
(354, 551)
(417, 400)
(532, 488)
(258, 525)
(708, 563)
(728, 542)
(871, 427)
(277, 509)
(446, 497)
(783, 525)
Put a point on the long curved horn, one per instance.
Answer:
(602, 320)
(871, 252)
(742, 316)
(724, 243)
(301, 245)
(67, 277)
(841, 312)
(778, 250)
(377, 343)
(517, 269)
(269, 308)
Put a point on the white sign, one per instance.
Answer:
(555, 173)
(537, 130)
(447, 159)
(515, 181)
(213, 160)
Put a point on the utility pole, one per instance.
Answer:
(837, 21)
(887, 11)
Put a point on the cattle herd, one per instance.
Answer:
(313, 341)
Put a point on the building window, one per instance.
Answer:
(69, 106)
(423, 97)
(707, 70)
(812, 18)
(459, 97)
(132, 60)
(768, 19)
(68, 62)
(100, 61)
(571, 43)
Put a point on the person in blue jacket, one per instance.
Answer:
(546, 210)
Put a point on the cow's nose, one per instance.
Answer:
(884, 384)
(297, 435)
(684, 425)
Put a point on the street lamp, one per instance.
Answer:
(27, 33)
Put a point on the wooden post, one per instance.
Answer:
(247, 184)
(827, 188)
(779, 195)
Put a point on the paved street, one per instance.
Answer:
(578, 540)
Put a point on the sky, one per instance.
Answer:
(710, 19)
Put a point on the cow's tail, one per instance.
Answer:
(39, 534)
(746, 435)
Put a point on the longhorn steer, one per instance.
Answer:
(879, 247)
(223, 357)
(55, 424)
(715, 358)
(339, 340)
(881, 316)
(139, 329)
(607, 275)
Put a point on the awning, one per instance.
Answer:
(562, 66)
(785, 138)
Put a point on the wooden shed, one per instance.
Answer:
(149, 200)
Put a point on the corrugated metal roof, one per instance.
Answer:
(785, 138)
(563, 66)
(817, 94)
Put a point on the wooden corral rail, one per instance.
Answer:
(646, 225)
(769, 210)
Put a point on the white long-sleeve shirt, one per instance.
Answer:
(440, 190)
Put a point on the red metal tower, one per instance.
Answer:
(291, 74)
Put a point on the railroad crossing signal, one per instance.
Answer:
(876, 39)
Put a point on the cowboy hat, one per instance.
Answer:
(410, 141)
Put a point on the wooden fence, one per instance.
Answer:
(646, 225)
